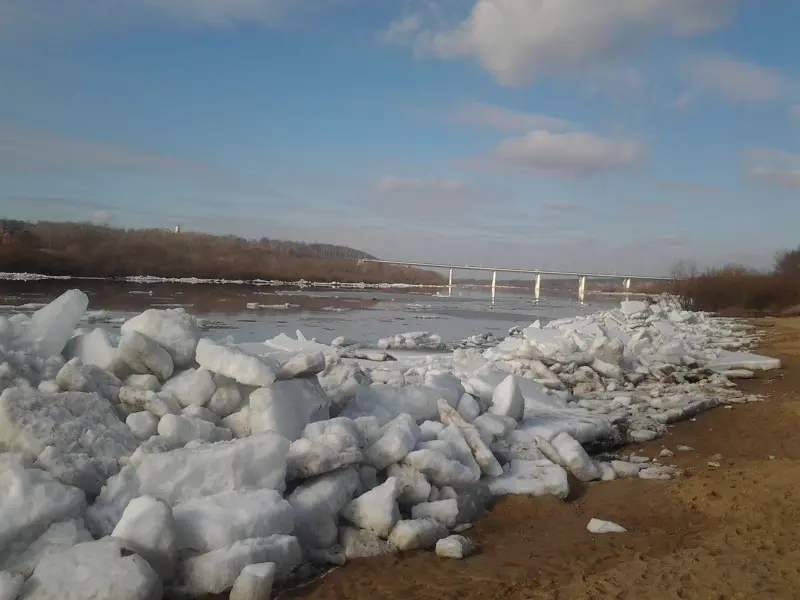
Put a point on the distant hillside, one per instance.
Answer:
(88, 250)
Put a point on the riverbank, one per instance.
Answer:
(727, 529)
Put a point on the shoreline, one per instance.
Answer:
(707, 534)
(451, 435)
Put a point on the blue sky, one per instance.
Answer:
(613, 135)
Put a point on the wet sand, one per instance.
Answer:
(721, 532)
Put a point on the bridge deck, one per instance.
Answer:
(425, 265)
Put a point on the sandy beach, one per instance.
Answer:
(727, 529)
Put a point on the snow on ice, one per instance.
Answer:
(160, 461)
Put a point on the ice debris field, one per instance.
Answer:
(158, 462)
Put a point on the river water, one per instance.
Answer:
(252, 313)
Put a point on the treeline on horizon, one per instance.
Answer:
(736, 290)
(90, 250)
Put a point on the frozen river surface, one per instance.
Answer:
(251, 314)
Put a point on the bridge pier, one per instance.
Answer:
(582, 287)
(627, 284)
(494, 285)
(538, 288)
(450, 284)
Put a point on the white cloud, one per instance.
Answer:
(401, 31)
(503, 119)
(570, 154)
(518, 41)
(734, 80)
(774, 167)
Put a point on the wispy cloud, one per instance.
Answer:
(569, 154)
(773, 167)
(648, 206)
(24, 151)
(394, 185)
(519, 41)
(401, 32)
(21, 17)
(733, 80)
(505, 120)
(430, 200)
(562, 206)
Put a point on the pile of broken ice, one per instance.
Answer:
(159, 460)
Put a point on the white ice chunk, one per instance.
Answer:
(308, 458)
(148, 528)
(180, 475)
(106, 568)
(10, 585)
(143, 424)
(200, 412)
(213, 522)
(105, 513)
(575, 457)
(254, 582)
(143, 382)
(440, 469)
(468, 408)
(77, 437)
(317, 504)
(216, 571)
(142, 355)
(58, 537)
(600, 526)
(376, 510)
(727, 360)
(304, 364)
(30, 501)
(454, 546)
(180, 430)
(413, 487)
(172, 329)
(358, 543)
(444, 511)
(191, 387)
(397, 439)
(157, 403)
(227, 398)
(387, 402)
(532, 478)
(483, 456)
(507, 399)
(632, 307)
(234, 364)
(51, 327)
(286, 406)
(238, 422)
(416, 534)
(94, 348)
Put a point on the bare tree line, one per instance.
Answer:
(89, 250)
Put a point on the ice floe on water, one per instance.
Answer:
(159, 461)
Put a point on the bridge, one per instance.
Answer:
(581, 277)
